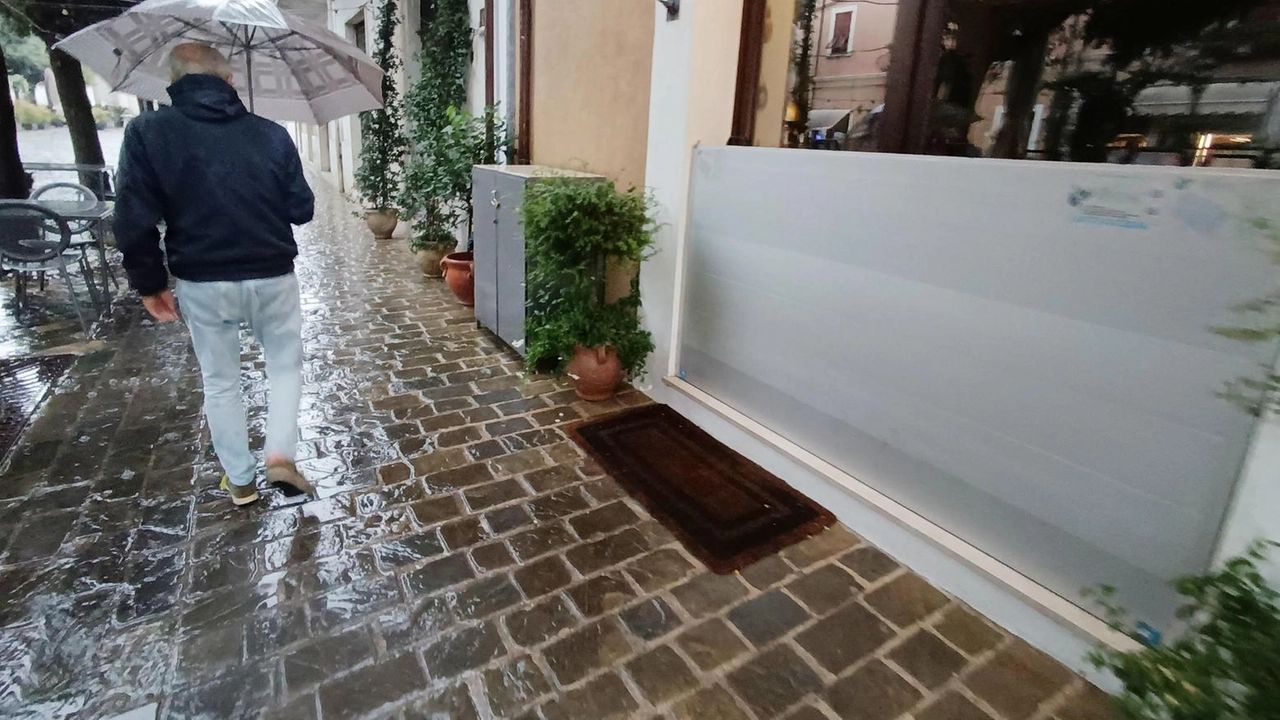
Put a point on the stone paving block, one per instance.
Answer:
(436, 511)
(344, 605)
(604, 490)
(601, 594)
(714, 703)
(552, 478)
(234, 694)
(464, 650)
(650, 619)
(661, 675)
(845, 637)
(370, 688)
(764, 574)
(497, 493)
(603, 698)
(607, 551)
(832, 541)
(543, 576)
(594, 647)
(514, 686)
(711, 644)
(493, 556)
(952, 706)
(1017, 679)
(873, 692)
(927, 659)
(604, 520)
(487, 596)
(326, 657)
(558, 504)
(408, 550)
(708, 593)
(768, 617)
(303, 707)
(967, 631)
(774, 681)
(518, 463)
(507, 519)
(541, 621)
(464, 533)
(825, 589)
(438, 575)
(906, 599)
(452, 702)
(659, 569)
(460, 479)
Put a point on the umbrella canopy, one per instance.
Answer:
(286, 67)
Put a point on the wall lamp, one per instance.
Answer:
(673, 8)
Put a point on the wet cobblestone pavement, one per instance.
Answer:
(464, 559)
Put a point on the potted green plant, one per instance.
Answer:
(382, 141)
(1225, 665)
(573, 232)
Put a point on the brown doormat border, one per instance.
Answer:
(726, 510)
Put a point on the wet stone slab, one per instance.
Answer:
(463, 560)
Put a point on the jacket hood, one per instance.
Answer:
(207, 98)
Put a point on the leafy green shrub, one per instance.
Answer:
(102, 117)
(573, 230)
(461, 143)
(31, 115)
(382, 140)
(1226, 666)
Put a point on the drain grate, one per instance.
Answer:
(23, 383)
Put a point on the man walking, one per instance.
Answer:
(228, 185)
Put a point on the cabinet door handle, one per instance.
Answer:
(493, 199)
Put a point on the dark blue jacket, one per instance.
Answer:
(227, 184)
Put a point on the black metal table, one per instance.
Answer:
(95, 213)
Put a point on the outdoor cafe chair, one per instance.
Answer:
(35, 239)
(81, 230)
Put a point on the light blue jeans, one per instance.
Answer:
(214, 312)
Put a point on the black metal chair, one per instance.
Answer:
(35, 239)
(84, 233)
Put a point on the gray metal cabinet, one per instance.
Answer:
(497, 193)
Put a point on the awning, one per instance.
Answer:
(1250, 98)
(829, 120)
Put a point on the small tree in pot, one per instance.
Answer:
(462, 143)
(382, 142)
(573, 231)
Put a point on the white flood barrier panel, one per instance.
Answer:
(1022, 352)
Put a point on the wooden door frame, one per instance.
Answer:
(524, 108)
(747, 87)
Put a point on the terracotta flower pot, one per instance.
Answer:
(459, 272)
(429, 261)
(595, 372)
(382, 222)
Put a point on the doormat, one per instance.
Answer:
(728, 511)
(23, 384)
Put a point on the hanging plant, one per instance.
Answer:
(382, 140)
(441, 85)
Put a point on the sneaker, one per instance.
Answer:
(285, 475)
(240, 494)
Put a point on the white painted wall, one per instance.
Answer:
(1255, 510)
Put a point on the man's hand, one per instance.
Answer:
(161, 306)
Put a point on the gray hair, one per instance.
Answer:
(197, 59)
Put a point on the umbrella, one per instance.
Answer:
(288, 67)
